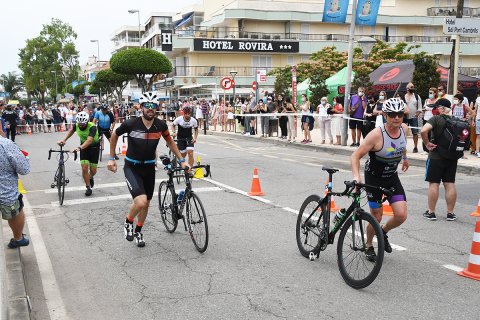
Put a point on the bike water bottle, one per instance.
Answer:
(339, 216)
(181, 194)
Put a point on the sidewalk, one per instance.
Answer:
(470, 165)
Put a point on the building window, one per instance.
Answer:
(305, 58)
(262, 61)
(305, 31)
(290, 60)
(448, 2)
(437, 3)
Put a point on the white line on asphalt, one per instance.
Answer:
(313, 164)
(119, 197)
(290, 210)
(290, 160)
(269, 156)
(99, 186)
(51, 291)
(452, 267)
(200, 153)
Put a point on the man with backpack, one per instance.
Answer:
(450, 137)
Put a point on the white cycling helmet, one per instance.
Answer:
(82, 118)
(149, 97)
(393, 105)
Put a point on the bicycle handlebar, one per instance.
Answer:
(350, 185)
(61, 151)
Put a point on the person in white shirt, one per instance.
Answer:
(41, 119)
(325, 120)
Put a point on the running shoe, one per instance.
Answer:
(18, 243)
(92, 183)
(370, 254)
(139, 239)
(415, 150)
(353, 145)
(429, 216)
(128, 230)
(388, 247)
(451, 216)
(88, 192)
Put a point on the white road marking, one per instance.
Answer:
(269, 156)
(290, 160)
(313, 164)
(200, 153)
(290, 210)
(99, 186)
(452, 267)
(119, 197)
(53, 298)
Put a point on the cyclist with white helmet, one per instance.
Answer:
(387, 147)
(89, 148)
(187, 133)
(144, 133)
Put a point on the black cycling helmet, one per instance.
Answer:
(104, 106)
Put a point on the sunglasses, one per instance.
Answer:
(395, 114)
(149, 105)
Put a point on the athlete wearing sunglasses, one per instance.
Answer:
(387, 147)
(144, 134)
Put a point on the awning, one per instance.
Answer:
(186, 19)
(13, 102)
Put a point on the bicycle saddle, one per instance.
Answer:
(329, 170)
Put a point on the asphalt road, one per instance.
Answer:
(79, 265)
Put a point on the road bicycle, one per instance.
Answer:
(59, 180)
(171, 207)
(314, 233)
(174, 161)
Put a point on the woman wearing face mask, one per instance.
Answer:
(282, 120)
(337, 120)
(429, 103)
(307, 119)
(325, 120)
(292, 120)
(369, 124)
(377, 112)
(459, 109)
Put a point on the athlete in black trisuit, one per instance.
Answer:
(185, 138)
(143, 136)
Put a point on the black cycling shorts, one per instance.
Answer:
(105, 132)
(90, 155)
(184, 145)
(355, 124)
(375, 196)
(439, 170)
(140, 179)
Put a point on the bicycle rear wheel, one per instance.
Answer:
(309, 224)
(61, 183)
(197, 222)
(168, 208)
(357, 271)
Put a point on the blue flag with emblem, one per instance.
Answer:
(367, 12)
(335, 11)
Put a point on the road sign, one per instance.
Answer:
(227, 83)
(254, 85)
(262, 75)
(462, 26)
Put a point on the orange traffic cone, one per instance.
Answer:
(124, 150)
(473, 269)
(256, 189)
(333, 208)
(29, 131)
(476, 213)
(387, 208)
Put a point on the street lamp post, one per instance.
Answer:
(366, 44)
(233, 73)
(56, 86)
(132, 11)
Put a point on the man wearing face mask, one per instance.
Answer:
(358, 104)
(414, 109)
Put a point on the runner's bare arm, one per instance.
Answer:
(368, 144)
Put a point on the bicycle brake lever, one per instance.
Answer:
(49, 154)
(75, 155)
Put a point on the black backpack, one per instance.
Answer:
(454, 139)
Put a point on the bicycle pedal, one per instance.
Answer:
(67, 181)
(312, 256)
(53, 185)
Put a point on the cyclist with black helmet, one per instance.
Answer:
(89, 148)
(105, 121)
(144, 133)
(387, 147)
(185, 138)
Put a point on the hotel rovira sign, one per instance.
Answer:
(230, 45)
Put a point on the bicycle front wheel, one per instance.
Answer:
(309, 224)
(61, 183)
(197, 222)
(357, 269)
(168, 208)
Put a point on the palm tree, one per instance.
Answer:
(12, 83)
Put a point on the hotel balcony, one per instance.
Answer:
(452, 11)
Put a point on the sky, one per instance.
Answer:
(91, 19)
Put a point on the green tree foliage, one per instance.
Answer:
(113, 82)
(52, 53)
(12, 83)
(140, 63)
(283, 79)
(425, 75)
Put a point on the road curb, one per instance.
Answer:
(333, 150)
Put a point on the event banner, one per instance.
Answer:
(335, 11)
(367, 11)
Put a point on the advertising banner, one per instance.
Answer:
(367, 12)
(335, 11)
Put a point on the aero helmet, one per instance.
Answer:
(149, 97)
(82, 118)
(393, 105)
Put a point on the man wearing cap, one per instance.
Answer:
(439, 169)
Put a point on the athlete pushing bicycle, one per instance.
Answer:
(185, 138)
(387, 147)
(144, 134)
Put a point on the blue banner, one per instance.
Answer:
(367, 12)
(335, 11)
